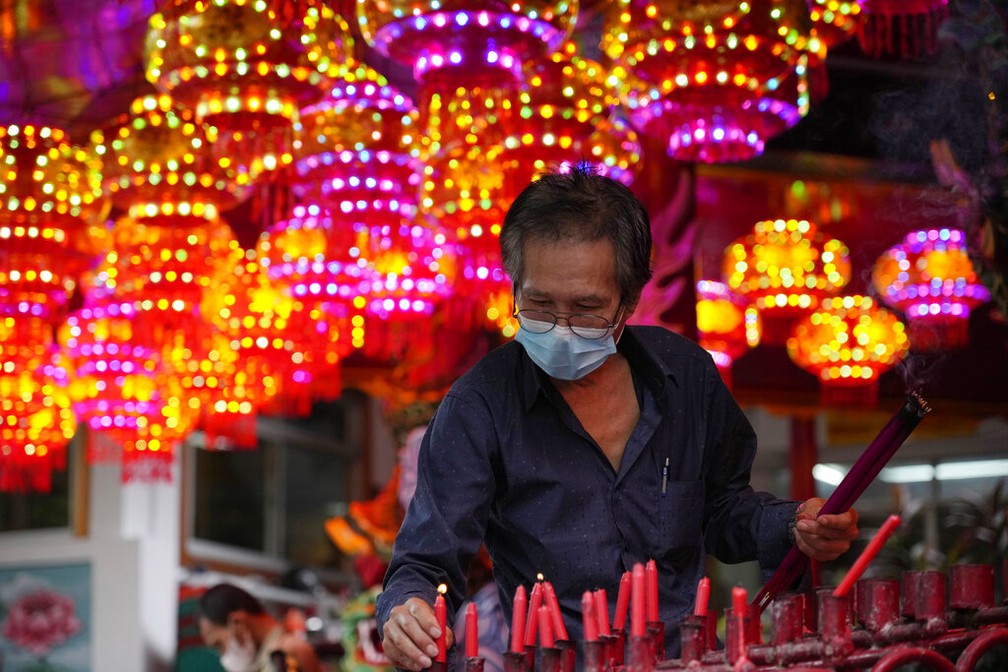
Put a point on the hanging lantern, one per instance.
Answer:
(119, 388)
(362, 163)
(158, 154)
(475, 44)
(564, 114)
(253, 315)
(784, 268)
(247, 68)
(906, 29)
(836, 21)
(36, 423)
(727, 327)
(847, 343)
(319, 264)
(715, 95)
(930, 278)
(50, 191)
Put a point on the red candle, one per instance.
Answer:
(602, 612)
(738, 601)
(651, 580)
(588, 617)
(518, 620)
(550, 600)
(622, 602)
(867, 555)
(702, 597)
(637, 600)
(441, 614)
(532, 623)
(472, 631)
(545, 627)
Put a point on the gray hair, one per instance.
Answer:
(581, 204)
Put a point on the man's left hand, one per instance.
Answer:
(824, 537)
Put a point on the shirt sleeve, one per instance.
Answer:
(446, 519)
(741, 524)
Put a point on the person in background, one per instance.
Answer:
(586, 445)
(249, 639)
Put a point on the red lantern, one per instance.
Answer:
(905, 29)
(785, 268)
(847, 344)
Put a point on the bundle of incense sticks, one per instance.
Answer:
(861, 474)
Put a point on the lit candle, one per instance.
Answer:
(550, 600)
(472, 631)
(532, 623)
(867, 555)
(588, 617)
(702, 597)
(738, 601)
(441, 614)
(602, 612)
(622, 602)
(651, 581)
(637, 600)
(518, 620)
(545, 627)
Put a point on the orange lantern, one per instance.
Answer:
(50, 192)
(715, 89)
(727, 326)
(836, 21)
(247, 68)
(847, 344)
(931, 279)
(159, 155)
(784, 268)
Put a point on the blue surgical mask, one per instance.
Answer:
(564, 355)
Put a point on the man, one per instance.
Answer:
(247, 638)
(586, 445)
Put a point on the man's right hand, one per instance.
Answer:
(410, 635)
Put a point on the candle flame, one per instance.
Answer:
(442, 589)
(539, 576)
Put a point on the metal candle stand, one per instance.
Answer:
(882, 625)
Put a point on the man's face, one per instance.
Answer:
(215, 636)
(568, 277)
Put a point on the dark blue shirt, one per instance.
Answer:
(506, 462)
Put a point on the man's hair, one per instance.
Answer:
(222, 600)
(580, 204)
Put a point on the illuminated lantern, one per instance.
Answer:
(715, 94)
(254, 316)
(727, 327)
(905, 29)
(247, 68)
(785, 268)
(360, 160)
(930, 278)
(836, 21)
(473, 43)
(119, 388)
(319, 264)
(564, 114)
(50, 192)
(35, 418)
(158, 154)
(847, 343)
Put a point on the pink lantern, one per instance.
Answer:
(931, 279)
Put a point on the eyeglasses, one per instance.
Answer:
(586, 326)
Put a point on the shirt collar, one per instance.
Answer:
(650, 368)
